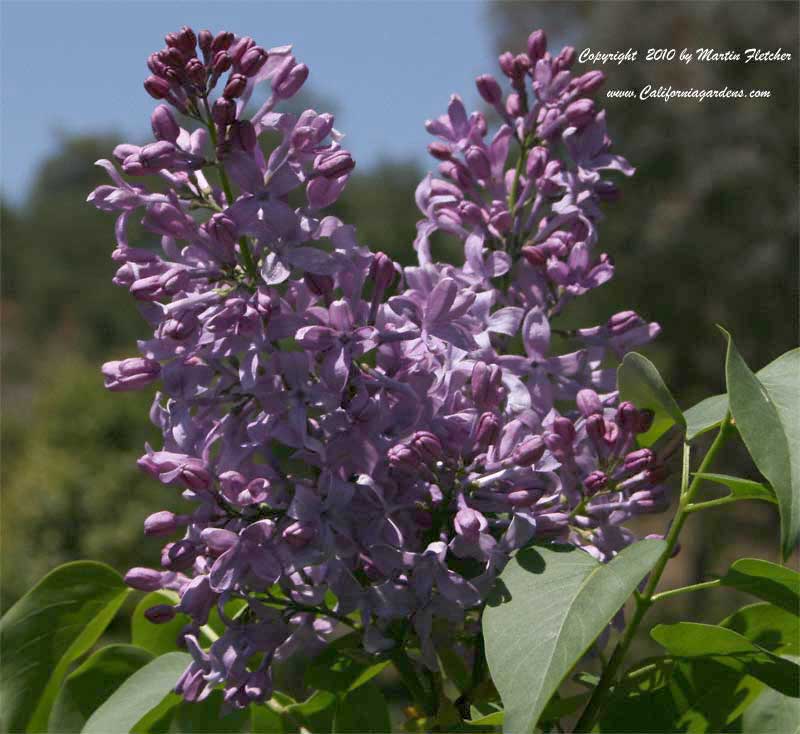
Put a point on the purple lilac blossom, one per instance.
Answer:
(337, 423)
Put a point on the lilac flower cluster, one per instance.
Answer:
(340, 425)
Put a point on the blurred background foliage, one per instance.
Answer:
(706, 232)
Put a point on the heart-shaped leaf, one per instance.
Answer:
(139, 695)
(640, 382)
(92, 683)
(771, 437)
(691, 640)
(55, 623)
(549, 605)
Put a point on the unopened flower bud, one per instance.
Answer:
(157, 87)
(469, 522)
(537, 45)
(222, 62)
(403, 458)
(506, 61)
(487, 430)
(161, 523)
(523, 497)
(478, 162)
(336, 164)
(222, 41)
(489, 89)
(382, 271)
(645, 421)
(243, 135)
(529, 451)
(564, 60)
(594, 482)
(580, 113)
(295, 79)
(130, 374)
(319, 285)
(143, 579)
(565, 428)
(588, 402)
(299, 534)
(627, 416)
(240, 47)
(428, 446)
(513, 105)
(236, 85)
(160, 613)
(196, 71)
(178, 556)
(158, 155)
(635, 461)
(224, 111)
(204, 39)
(164, 125)
(253, 59)
(440, 151)
(589, 82)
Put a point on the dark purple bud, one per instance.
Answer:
(143, 579)
(319, 285)
(487, 430)
(469, 522)
(537, 160)
(635, 461)
(423, 518)
(536, 255)
(240, 47)
(564, 428)
(178, 556)
(164, 125)
(161, 523)
(564, 60)
(160, 613)
(440, 151)
(158, 155)
(596, 429)
(222, 41)
(580, 113)
(223, 229)
(289, 86)
(196, 71)
(506, 61)
(588, 402)
(336, 164)
(478, 162)
(204, 39)
(428, 446)
(470, 212)
(522, 64)
(596, 481)
(236, 85)
(194, 475)
(172, 58)
(529, 451)
(222, 62)
(537, 45)
(489, 89)
(559, 447)
(156, 65)
(157, 87)
(130, 374)
(252, 60)
(382, 271)
(624, 321)
(627, 417)
(403, 458)
(224, 111)
(589, 82)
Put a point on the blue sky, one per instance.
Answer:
(387, 65)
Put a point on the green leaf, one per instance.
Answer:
(207, 716)
(767, 434)
(138, 695)
(668, 695)
(334, 671)
(362, 710)
(772, 713)
(704, 416)
(157, 638)
(691, 640)
(92, 683)
(639, 382)
(316, 712)
(45, 631)
(741, 489)
(768, 626)
(266, 721)
(768, 581)
(548, 606)
(778, 377)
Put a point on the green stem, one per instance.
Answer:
(645, 600)
(685, 590)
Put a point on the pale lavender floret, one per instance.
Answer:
(338, 423)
